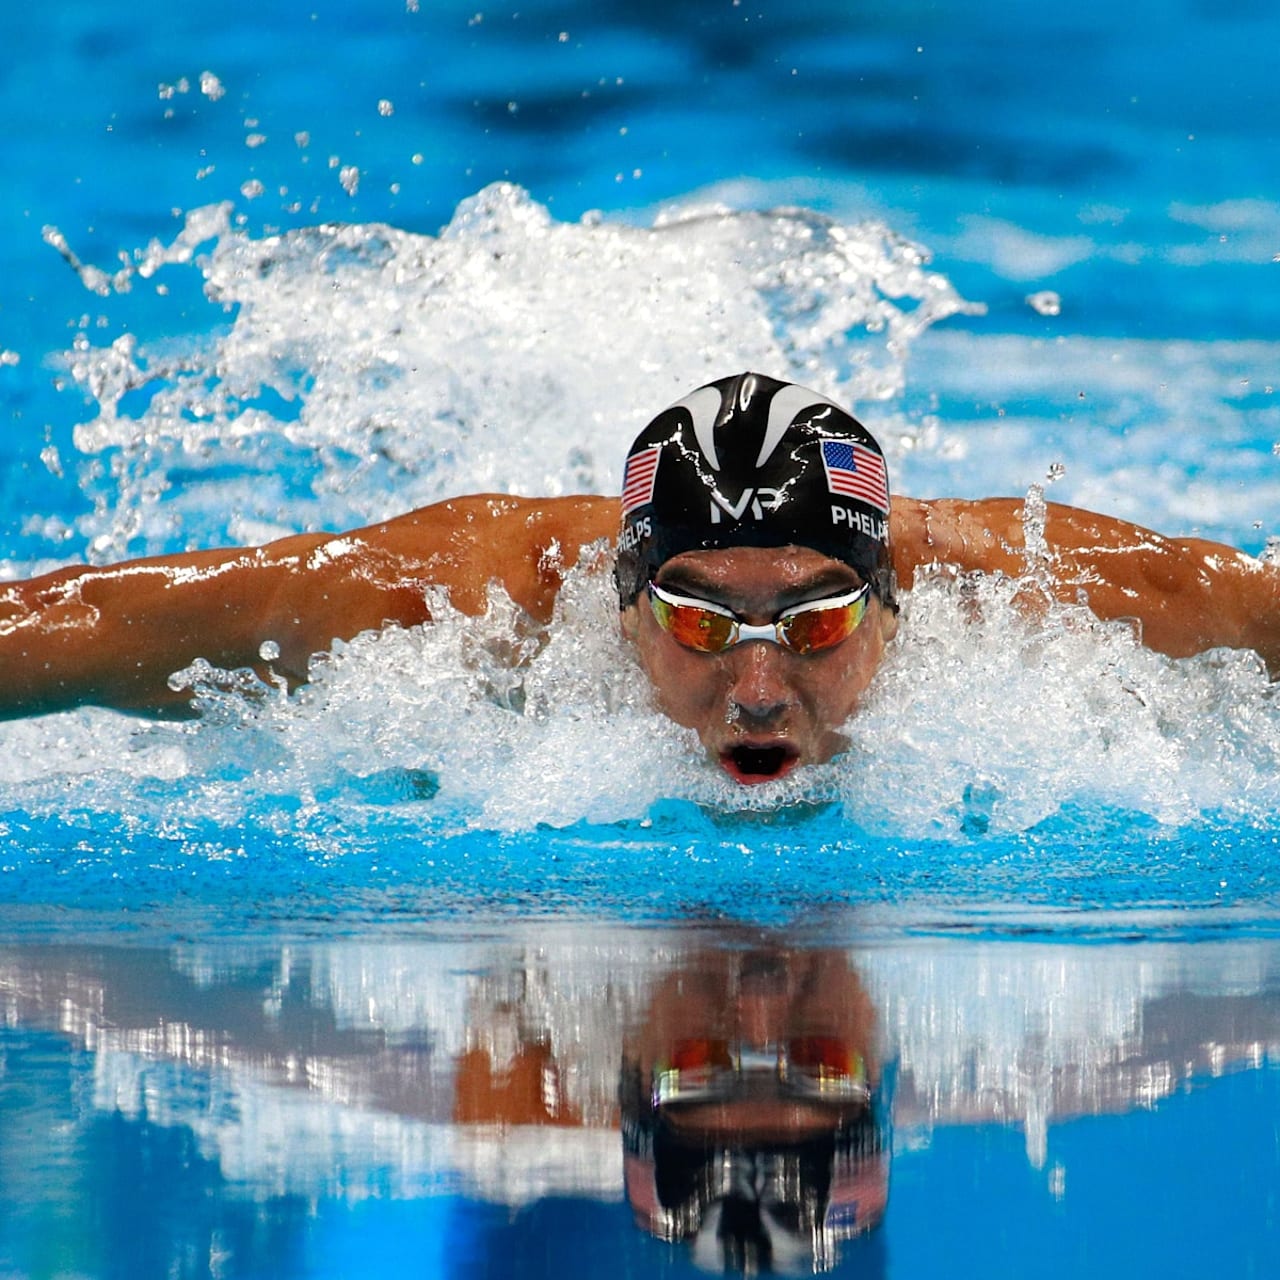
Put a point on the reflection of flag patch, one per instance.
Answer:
(637, 480)
(856, 472)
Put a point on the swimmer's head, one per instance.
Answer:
(748, 461)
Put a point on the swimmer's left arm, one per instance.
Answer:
(1186, 595)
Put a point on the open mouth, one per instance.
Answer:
(750, 763)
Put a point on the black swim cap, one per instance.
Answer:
(751, 461)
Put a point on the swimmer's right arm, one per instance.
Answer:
(113, 636)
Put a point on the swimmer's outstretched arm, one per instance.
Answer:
(1185, 595)
(112, 636)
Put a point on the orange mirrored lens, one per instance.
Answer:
(821, 1055)
(816, 629)
(694, 1055)
(693, 627)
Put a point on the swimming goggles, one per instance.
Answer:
(704, 1069)
(804, 628)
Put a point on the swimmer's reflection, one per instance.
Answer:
(750, 1117)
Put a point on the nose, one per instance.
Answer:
(761, 1016)
(759, 688)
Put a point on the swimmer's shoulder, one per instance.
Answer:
(525, 544)
(982, 534)
(503, 520)
(988, 535)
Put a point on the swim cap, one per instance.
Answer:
(751, 461)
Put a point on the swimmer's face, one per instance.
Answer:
(760, 709)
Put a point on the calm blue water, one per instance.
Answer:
(270, 267)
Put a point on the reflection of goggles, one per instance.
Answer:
(821, 1067)
(804, 628)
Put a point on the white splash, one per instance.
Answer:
(368, 370)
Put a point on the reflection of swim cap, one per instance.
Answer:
(750, 461)
(752, 1205)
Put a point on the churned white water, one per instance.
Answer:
(347, 373)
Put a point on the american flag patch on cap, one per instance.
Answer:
(637, 479)
(855, 471)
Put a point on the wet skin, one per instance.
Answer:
(760, 709)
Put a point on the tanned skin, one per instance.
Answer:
(112, 636)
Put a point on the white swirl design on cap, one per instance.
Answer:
(703, 407)
(783, 408)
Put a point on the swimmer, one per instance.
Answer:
(758, 565)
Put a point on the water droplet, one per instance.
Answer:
(386, 107)
(1045, 303)
(210, 86)
(268, 651)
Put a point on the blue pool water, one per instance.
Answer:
(271, 267)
